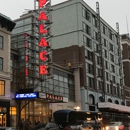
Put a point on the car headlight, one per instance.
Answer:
(116, 127)
(107, 128)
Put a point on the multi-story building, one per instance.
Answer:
(6, 27)
(91, 43)
(83, 43)
(53, 92)
(125, 41)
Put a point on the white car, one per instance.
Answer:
(115, 126)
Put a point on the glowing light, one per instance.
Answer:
(43, 69)
(42, 56)
(41, 29)
(26, 71)
(26, 44)
(26, 35)
(42, 16)
(43, 43)
(42, 3)
(26, 58)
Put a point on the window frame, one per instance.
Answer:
(1, 88)
(1, 43)
(1, 64)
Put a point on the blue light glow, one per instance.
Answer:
(26, 95)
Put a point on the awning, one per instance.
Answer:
(113, 107)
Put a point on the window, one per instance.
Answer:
(106, 54)
(90, 68)
(90, 82)
(95, 47)
(112, 57)
(87, 42)
(110, 34)
(111, 47)
(106, 65)
(113, 68)
(2, 87)
(1, 63)
(86, 14)
(1, 42)
(100, 85)
(86, 29)
(98, 60)
(103, 29)
(95, 35)
(88, 55)
(108, 88)
(115, 91)
(99, 72)
(94, 21)
(107, 76)
(113, 79)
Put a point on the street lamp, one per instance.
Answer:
(77, 108)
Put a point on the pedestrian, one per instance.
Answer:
(26, 124)
(20, 125)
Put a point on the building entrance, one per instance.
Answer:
(3, 120)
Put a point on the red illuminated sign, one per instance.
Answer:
(54, 97)
(41, 29)
(26, 44)
(43, 43)
(26, 71)
(26, 58)
(42, 3)
(43, 69)
(42, 16)
(43, 56)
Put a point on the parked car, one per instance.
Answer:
(115, 126)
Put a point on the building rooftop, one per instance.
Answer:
(6, 22)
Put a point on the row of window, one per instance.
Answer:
(116, 90)
(106, 31)
(96, 47)
(108, 66)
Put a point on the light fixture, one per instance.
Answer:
(88, 112)
(1, 114)
(88, 119)
(77, 108)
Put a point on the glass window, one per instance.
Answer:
(87, 42)
(13, 113)
(27, 28)
(27, 21)
(2, 87)
(1, 42)
(95, 35)
(1, 63)
(86, 14)
(94, 20)
(19, 23)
